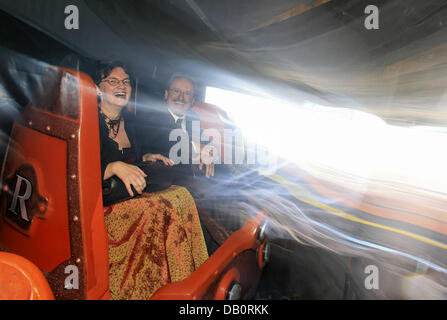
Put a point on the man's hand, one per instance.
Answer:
(209, 172)
(208, 158)
(154, 157)
(129, 174)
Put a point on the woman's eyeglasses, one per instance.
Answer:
(114, 82)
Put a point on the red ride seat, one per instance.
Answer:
(51, 206)
(20, 279)
(212, 120)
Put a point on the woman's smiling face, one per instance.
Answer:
(116, 88)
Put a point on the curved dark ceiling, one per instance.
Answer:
(317, 46)
(288, 41)
(324, 38)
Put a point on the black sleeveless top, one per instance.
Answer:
(109, 148)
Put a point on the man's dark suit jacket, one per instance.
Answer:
(155, 126)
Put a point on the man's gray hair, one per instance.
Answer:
(176, 76)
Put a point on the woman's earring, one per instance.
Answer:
(99, 94)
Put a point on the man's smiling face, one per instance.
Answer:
(180, 96)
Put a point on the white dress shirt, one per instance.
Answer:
(176, 117)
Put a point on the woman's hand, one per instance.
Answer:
(129, 174)
(154, 157)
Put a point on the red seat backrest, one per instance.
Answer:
(53, 154)
(212, 118)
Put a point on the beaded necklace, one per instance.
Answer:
(113, 124)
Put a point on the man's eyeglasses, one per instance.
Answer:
(114, 82)
(176, 92)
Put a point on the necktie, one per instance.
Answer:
(178, 123)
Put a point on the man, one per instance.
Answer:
(176, 114)
(163, 122)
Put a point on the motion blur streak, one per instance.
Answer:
(349, 182)
(347, 140)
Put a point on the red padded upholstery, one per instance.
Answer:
(20, 279)
(211, 117)
(55, 148)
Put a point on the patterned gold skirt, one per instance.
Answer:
(154, 239)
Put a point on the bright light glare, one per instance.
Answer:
(345, 140)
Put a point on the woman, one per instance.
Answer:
(154, 238)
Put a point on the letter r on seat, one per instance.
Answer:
(21, 198)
